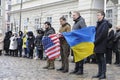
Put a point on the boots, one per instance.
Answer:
(73, 72)
(103, 76)
(52, 66)
(60, 69)
(100, 76)
(80, 72)
(48, 65)
(97, 76)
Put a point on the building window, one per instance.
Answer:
(17, 25)
(11, 27)
(8, 18)
(49, 19)
(18, 1)
(0, 2)
(25, 0)
(0, 12)
(109, 13)
(0, 23)
(9, 7)
(37, 23)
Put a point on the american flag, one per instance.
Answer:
(51, 46)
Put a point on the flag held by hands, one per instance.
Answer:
(52, 46)
(81, 42)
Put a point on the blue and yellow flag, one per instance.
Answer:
(81, 42)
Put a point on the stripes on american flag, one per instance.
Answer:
(52, 46)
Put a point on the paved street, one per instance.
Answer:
(12, 68)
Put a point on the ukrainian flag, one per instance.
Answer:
(81, 42)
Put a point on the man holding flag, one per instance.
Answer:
(79, 23)
(49, 45)
(65, 49)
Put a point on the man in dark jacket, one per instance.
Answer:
(101, 44)
(79, 23)
(48, 31)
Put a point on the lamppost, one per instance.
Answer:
(20, 14)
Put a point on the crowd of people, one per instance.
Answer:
(107, 41)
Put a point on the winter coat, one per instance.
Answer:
(110, 39)
(31, 44)
(38, 42)
(19, 43)
(13, 43)
(117, 41)
(49, 31)
(24, 42)
(1, 41)
(101, 36)
(64, 28)
(79, 23)
(7, 41)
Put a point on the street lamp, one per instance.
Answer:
(20, 14)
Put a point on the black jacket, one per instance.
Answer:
(117, 41)
(19, 43)
(110, 39)
(7, 41)
(101, 36)
(31, 42)
(49, 31)
(38, 42)
(79, 23)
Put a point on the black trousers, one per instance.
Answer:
(20, 52)
(79, 66)
(117, 57)
(6, 51)
(109, 56)
(40, 54)
(101, 63)
(31, 53)
(13, 52)
(25, 52)
(0, 52)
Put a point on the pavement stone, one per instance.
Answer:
(15, 68)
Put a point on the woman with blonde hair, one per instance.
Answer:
(117, 45)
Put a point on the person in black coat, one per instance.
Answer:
(7, 42)
(101, 44)
(110, 39)
(31, 45)
(20, 43)
(116, 47)
(38, 43)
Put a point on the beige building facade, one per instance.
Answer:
(2, 15)
(33, 13)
